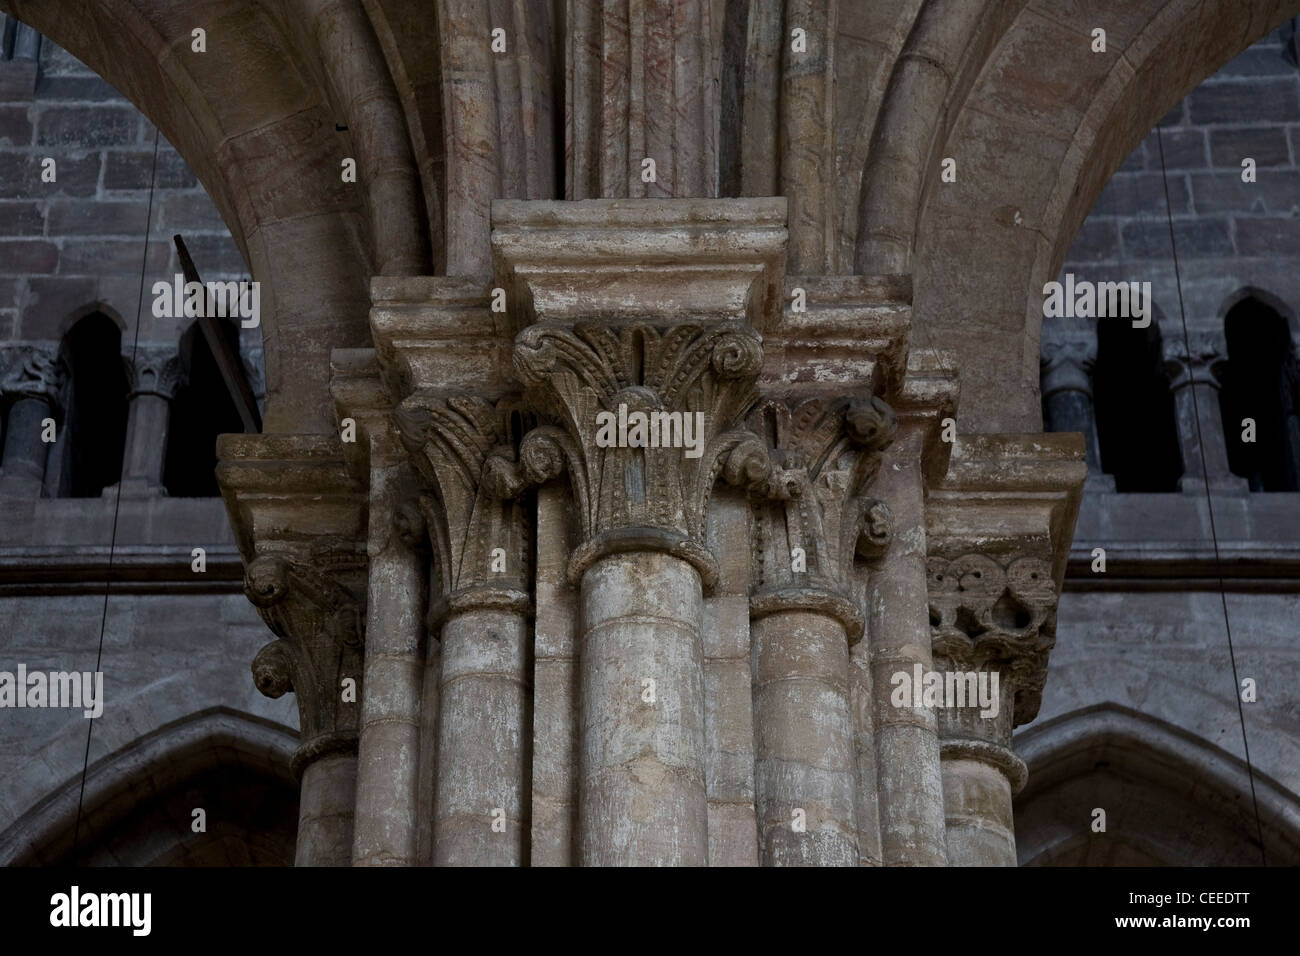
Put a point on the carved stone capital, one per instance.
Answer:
(34, 371)
(465, 449)
(154, 370)
(644, 419)
(1067, 360)
(1204, 364)
(987, 614)
(320, 623)
(812, 517)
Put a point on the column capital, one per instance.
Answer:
(465, 448)
(825, 454)
(645, 417)
(320, 623)
(34, 371)
(990, 613)
(153, 370)
(1067, 359)
(1204, 364)
(998, 531)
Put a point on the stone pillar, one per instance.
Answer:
(464, 448)
(907, 745)
(642, 798)
(813, 524)
(389, 737)
(385, 831)
(153, 377)
(992, 611)
(807, 139)
(643, 83)
(642, 566)
(34, 386)
(993, 626)
(1068, 359)
(1195, 378)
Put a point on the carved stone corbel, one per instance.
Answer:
(992, 598)
(320, 623)
(987, 614)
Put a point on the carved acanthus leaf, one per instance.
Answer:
(465, 448)
(669, 373)
(814, 516)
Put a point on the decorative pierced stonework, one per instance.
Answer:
(825, 454)
(321, 626)
(634, 498)
(464, 447)
(985, 614)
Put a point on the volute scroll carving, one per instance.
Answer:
(465, 448)
(688, 383)
(813, 516)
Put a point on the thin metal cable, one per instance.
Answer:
(1209, 501)
(117, 502)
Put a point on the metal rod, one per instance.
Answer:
(227, 359)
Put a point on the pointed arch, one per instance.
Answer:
(130, 800)
(1171, 797)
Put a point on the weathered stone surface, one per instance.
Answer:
(524, 690)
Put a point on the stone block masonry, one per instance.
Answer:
(1228, 233)
(76, 242)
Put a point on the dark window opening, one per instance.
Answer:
(201, 410)
(1137, 428)
(94, 427)
(1260, 383)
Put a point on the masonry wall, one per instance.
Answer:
(1148, 636)
(80, 240)
(1228, 234)
(177, 644)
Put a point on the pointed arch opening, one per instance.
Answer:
(1137, 429)
(1260, 398)
(93, 434)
